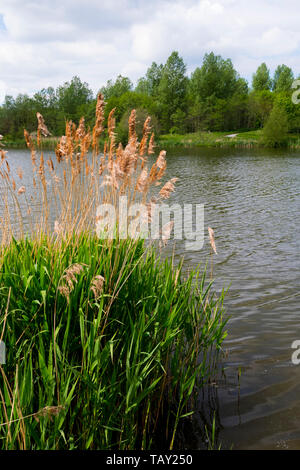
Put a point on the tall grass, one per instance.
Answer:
(106, 343)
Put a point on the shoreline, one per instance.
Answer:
(235, 139)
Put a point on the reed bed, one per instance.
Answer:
(106, 343)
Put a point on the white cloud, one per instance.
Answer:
(47, 42)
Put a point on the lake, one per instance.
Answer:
(251, 200)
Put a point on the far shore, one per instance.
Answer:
(222, 139)
(197, 139)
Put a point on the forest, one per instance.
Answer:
(213, 98)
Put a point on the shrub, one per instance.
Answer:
(276, 128)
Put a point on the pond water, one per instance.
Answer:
(251, 200)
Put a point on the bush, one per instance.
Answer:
(276, 128)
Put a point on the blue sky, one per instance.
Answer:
(47, 42)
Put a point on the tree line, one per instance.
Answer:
(213, 98)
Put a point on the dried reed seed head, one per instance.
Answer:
(80, 132)
(132, 125)
(127, 160)
(142, 182)
(105, 150)
(147, 126)
(99, 114)
(97, 285)
(146, 132)
(69, 279)
(70, 130)
(48, 411)
(101, 169)
(3, 155)
(153, 173)
(42, 126)
(22, 190)
(61, 148)
(115, 170)
(57, 227)
(120, 150)
(111, 122)
(41, 170)
(28, 139)
(161, 160)
(212, 239)
(151, 145)
(85, 144)
(98, 127)
(168, 188)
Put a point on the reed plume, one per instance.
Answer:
(168, 188)
(212, 240)
(97, 285)
(71, 189)
(69, 280)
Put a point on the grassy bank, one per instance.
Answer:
(104, 366)
(49, 143)
(197, 139)
(106, 344)
(222, 139)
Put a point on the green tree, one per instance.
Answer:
(260, 104)
(46, 102)
(117, 88)
(276, 128)
(283, 99)
(261, 79)
(179, 122)
(150, 83)
(283, 78)
(216, 77)
(128, 101)
(211, 88)
(172, 89)
(71, 96)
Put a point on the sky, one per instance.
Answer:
(46, 42)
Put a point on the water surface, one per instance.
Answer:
(252, 201)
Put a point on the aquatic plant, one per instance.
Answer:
(106, 343)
